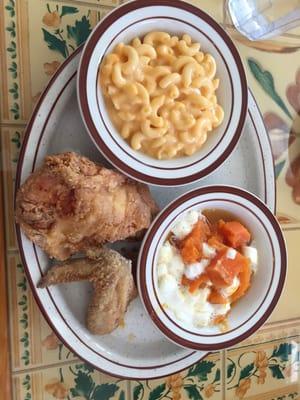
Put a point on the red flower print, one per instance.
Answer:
(293, 93)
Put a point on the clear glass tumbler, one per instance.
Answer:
(262, 19)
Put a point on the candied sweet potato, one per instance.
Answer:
(191, 245)
(215, 297)
(234, 233)
(195, 283)
(223, 270)
(244, 277)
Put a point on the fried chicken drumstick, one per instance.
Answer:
(113, 286)
(72, 204)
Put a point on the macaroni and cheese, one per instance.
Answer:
(161, 94)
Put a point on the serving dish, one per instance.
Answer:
(175, 17)
(137, 350)
(249, 312)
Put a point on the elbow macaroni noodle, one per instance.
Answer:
(161, 94)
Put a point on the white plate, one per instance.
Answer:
(251, 311)
(137, 350)
(135, 19)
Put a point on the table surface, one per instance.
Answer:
(35, 38)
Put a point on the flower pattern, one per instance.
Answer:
(292, 178)
(209, 390)
(253, 367)
(261, 363)
(242, 388)
(52, 19)
(175, 382)
(50, 68)
(57, 389)
(293, 93)
(279, 132)
(283, 133)
(51, 342)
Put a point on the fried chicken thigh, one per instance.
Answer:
(113, 286)
(72, 204)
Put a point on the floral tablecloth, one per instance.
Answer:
(36, 37)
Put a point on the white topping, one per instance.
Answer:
(167, 285)
(203, 316)
(165, 253)
(169, 256)
(221, 309)
(208, 251)
(229, 290)
(162, 269)
(176, 267)
(192, 271)
(231, 253)
(251, 253)
(185, 224)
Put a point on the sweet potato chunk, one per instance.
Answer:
(235, 234)
(244, 277)
(215, 297)
(223, 270)
(191, 245)
(195, 283)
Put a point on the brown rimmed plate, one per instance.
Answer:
(135, 19)
(137, 350)
(253, 309)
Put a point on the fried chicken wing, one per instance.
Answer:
(72, 204)
(113, 287)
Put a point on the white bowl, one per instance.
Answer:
(136, 19)
(252, 310)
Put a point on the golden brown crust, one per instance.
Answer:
(113, 287)
(72, 204)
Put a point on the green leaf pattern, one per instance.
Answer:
(22, 301)
(275, 362)
(266, 81)
(157, 392)
(65, 10)
(283, 351)
(193, 392)
(278, 168)
(137, 392)
(62, 40)
(192, 383)
(276, 371)
(12, 57)
(80, 31)
(55, 43)
(246, 372)
(201, 370)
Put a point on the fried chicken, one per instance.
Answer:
(113, 286)
(71, 205)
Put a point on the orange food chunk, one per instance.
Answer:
(219, 318)
(235, 234)
(191, 251)
(223, 270)
(216, 243)
(191, 246)
(244, 277)
(195, 283)
(215, 297)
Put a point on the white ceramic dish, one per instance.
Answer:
(138, 350)
(251, 311)
(136, 19)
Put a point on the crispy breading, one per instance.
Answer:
(113, 286)
(71, 205)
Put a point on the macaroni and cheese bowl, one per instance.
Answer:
(211, 267)
(162, 91)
